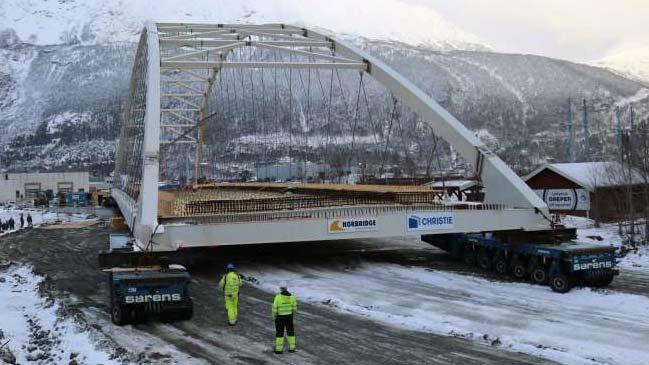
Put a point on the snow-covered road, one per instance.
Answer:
(397, 294)
(326, 335)
(581, 327)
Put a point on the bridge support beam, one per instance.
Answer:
(147, 215)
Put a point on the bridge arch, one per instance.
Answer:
(175, 71)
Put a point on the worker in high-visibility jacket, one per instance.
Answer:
(230, 284)
(284, 308)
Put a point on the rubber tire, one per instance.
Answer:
(601, 281)
(468, 256)
(187, 315)
(456, 252)
(519, 270)
(539, 275)
(560, 283)
(485, 261)
(117, 313)
(500, 265)
(588, 280)
(138, 314)
(607, 279)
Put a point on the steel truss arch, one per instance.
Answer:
(174, 74)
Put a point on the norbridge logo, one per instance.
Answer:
(430, 221)
(152, 298)
(335, 226)
(352, 225)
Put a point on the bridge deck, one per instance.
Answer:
(233, 215)
(225, 198)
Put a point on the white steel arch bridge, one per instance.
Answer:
(277, 89)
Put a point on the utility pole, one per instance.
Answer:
(631, 133)
(631, 176)
(571, 134)
(618, 114)
(586, 134)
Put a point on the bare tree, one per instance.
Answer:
(639, 146)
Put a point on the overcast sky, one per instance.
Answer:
(579, 30)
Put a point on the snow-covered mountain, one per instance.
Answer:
(632, 63)
(47, 22)
(64, 69)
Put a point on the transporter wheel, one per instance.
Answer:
(500, 264)
(560, 283)
(468, 256)
(186, 315)
(117, 313)
(456, 252)
(587, 278)
(519, 270)
(485, 261)
(539, 275)
(603, 279)
(138, 314)
(607, 279)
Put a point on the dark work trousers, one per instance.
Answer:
(284, 323)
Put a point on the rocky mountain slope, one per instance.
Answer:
(62, 91)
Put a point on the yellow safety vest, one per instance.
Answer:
(230, 283)
(284, 305)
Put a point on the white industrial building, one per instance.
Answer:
(18, 186)
(285, 171)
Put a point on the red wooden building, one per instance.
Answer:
(604, 191)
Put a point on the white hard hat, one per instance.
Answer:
(283, 285)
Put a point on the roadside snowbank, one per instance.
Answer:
(580, 327)
(36, 329)
(636, 259)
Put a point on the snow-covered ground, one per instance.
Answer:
(580, 327)
(35, 328)
(584, 326)
(39, 217)
(636, 259)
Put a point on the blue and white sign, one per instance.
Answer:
(565, 199)
(430, 221)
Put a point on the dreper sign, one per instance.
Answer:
(430, 221)
(565, 199)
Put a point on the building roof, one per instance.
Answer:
(591, 175)
(460, 184)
